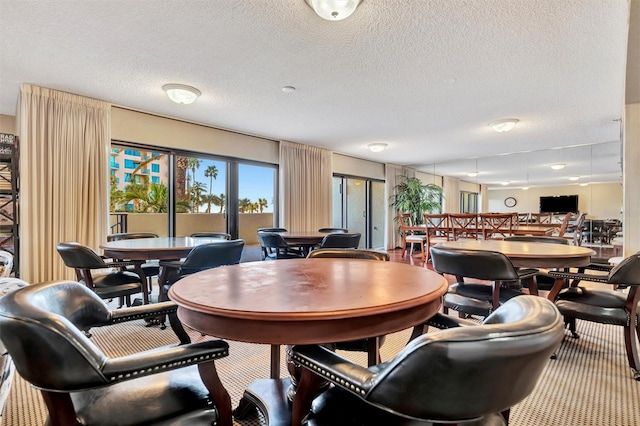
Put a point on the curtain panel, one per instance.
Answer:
(64, 186)
(393, 176)
(451, 188)
(305, 187)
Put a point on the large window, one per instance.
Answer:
(468, 202)
(211, 193)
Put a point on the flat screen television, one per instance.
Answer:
(559, 204)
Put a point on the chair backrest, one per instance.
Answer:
(341, 240)
(496, 225)
(522, 217)
(333, 230)
(479, 264)
(222, 235)
(626, 272)
(541, 217)
(131, 236)
(565, 223)
(41, 326)
(437, 224)
(77, 256)
(348, 253)
(464, 225)
(271, 230)
(468, 372)
(212, 255)
(272, 240)
(537, 239)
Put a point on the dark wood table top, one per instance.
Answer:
(306, 301)
(303, 237)
(529, 254)
(163, 248)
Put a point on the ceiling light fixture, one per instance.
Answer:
(504, 183)
(288, 89)
(333, 10)
(377, 147)
(504, 125)
(524, 188)
(472, 174)
(584, 184)
(573, 177)
(558, 166)
(181, 94)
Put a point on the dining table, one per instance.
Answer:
(303, 301)
(306, 240)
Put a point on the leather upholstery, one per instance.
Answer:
(453, 375)
(476, 298)
(41, 326)
(223, 235)
(275, 247)
(341, 240)
(349, 253)
(333, 230)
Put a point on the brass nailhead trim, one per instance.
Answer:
(323, 372)
(169, 365)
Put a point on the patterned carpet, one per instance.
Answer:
(589, 384)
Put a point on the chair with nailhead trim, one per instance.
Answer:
(468, 373)
(42, 326)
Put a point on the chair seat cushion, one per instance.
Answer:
(416, 238)
(116, 278)
(337, 407)
(475, 299)
(160, 396)
(602, 306)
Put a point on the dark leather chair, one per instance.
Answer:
(464, 374)
(477, 298)
(201, 258)
(41, 326)
(268, 251)
(151, 269)
(341, 240)
(604, 306)
(120, 284)
(274, 246)
(333, 230)
(222, 235)
(368, 345)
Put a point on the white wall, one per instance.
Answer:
(602, 201)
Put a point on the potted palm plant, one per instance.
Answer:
(413, 197)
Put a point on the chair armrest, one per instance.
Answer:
(142, 311)
(121, 263)
(163, 359)
(333, 367)
(578, 276)
(175, 264)
(524, 273)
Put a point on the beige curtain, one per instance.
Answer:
(451, 188)
(484, 199)
(64, 151)
(305, 187)
(393, 174)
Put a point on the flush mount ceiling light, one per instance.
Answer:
(584, 184)
(559, 166)
(504, 125)
(573, 177)
(504, 183)
(524, 188)
(333, 10)
(181, 94)
(377, 147)
(472, 174)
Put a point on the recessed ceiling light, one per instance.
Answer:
(377, 147)
(524, 188)
(181, 94)
(472, 174)
(574, 177)
(504, 125)
(504, 183)
(558, 166)
(288, 89)
(584, 184)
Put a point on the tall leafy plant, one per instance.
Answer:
(413, 197)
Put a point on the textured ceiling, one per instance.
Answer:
(423, 76)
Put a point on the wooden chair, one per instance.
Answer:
(541, 217)
(496, 226)
(438, 229)
(464, 225)
(410, 235)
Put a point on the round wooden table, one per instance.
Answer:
(163, 248)
(304, 301)
(530, 255)
(306, 240)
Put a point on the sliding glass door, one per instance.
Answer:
(358, 205)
